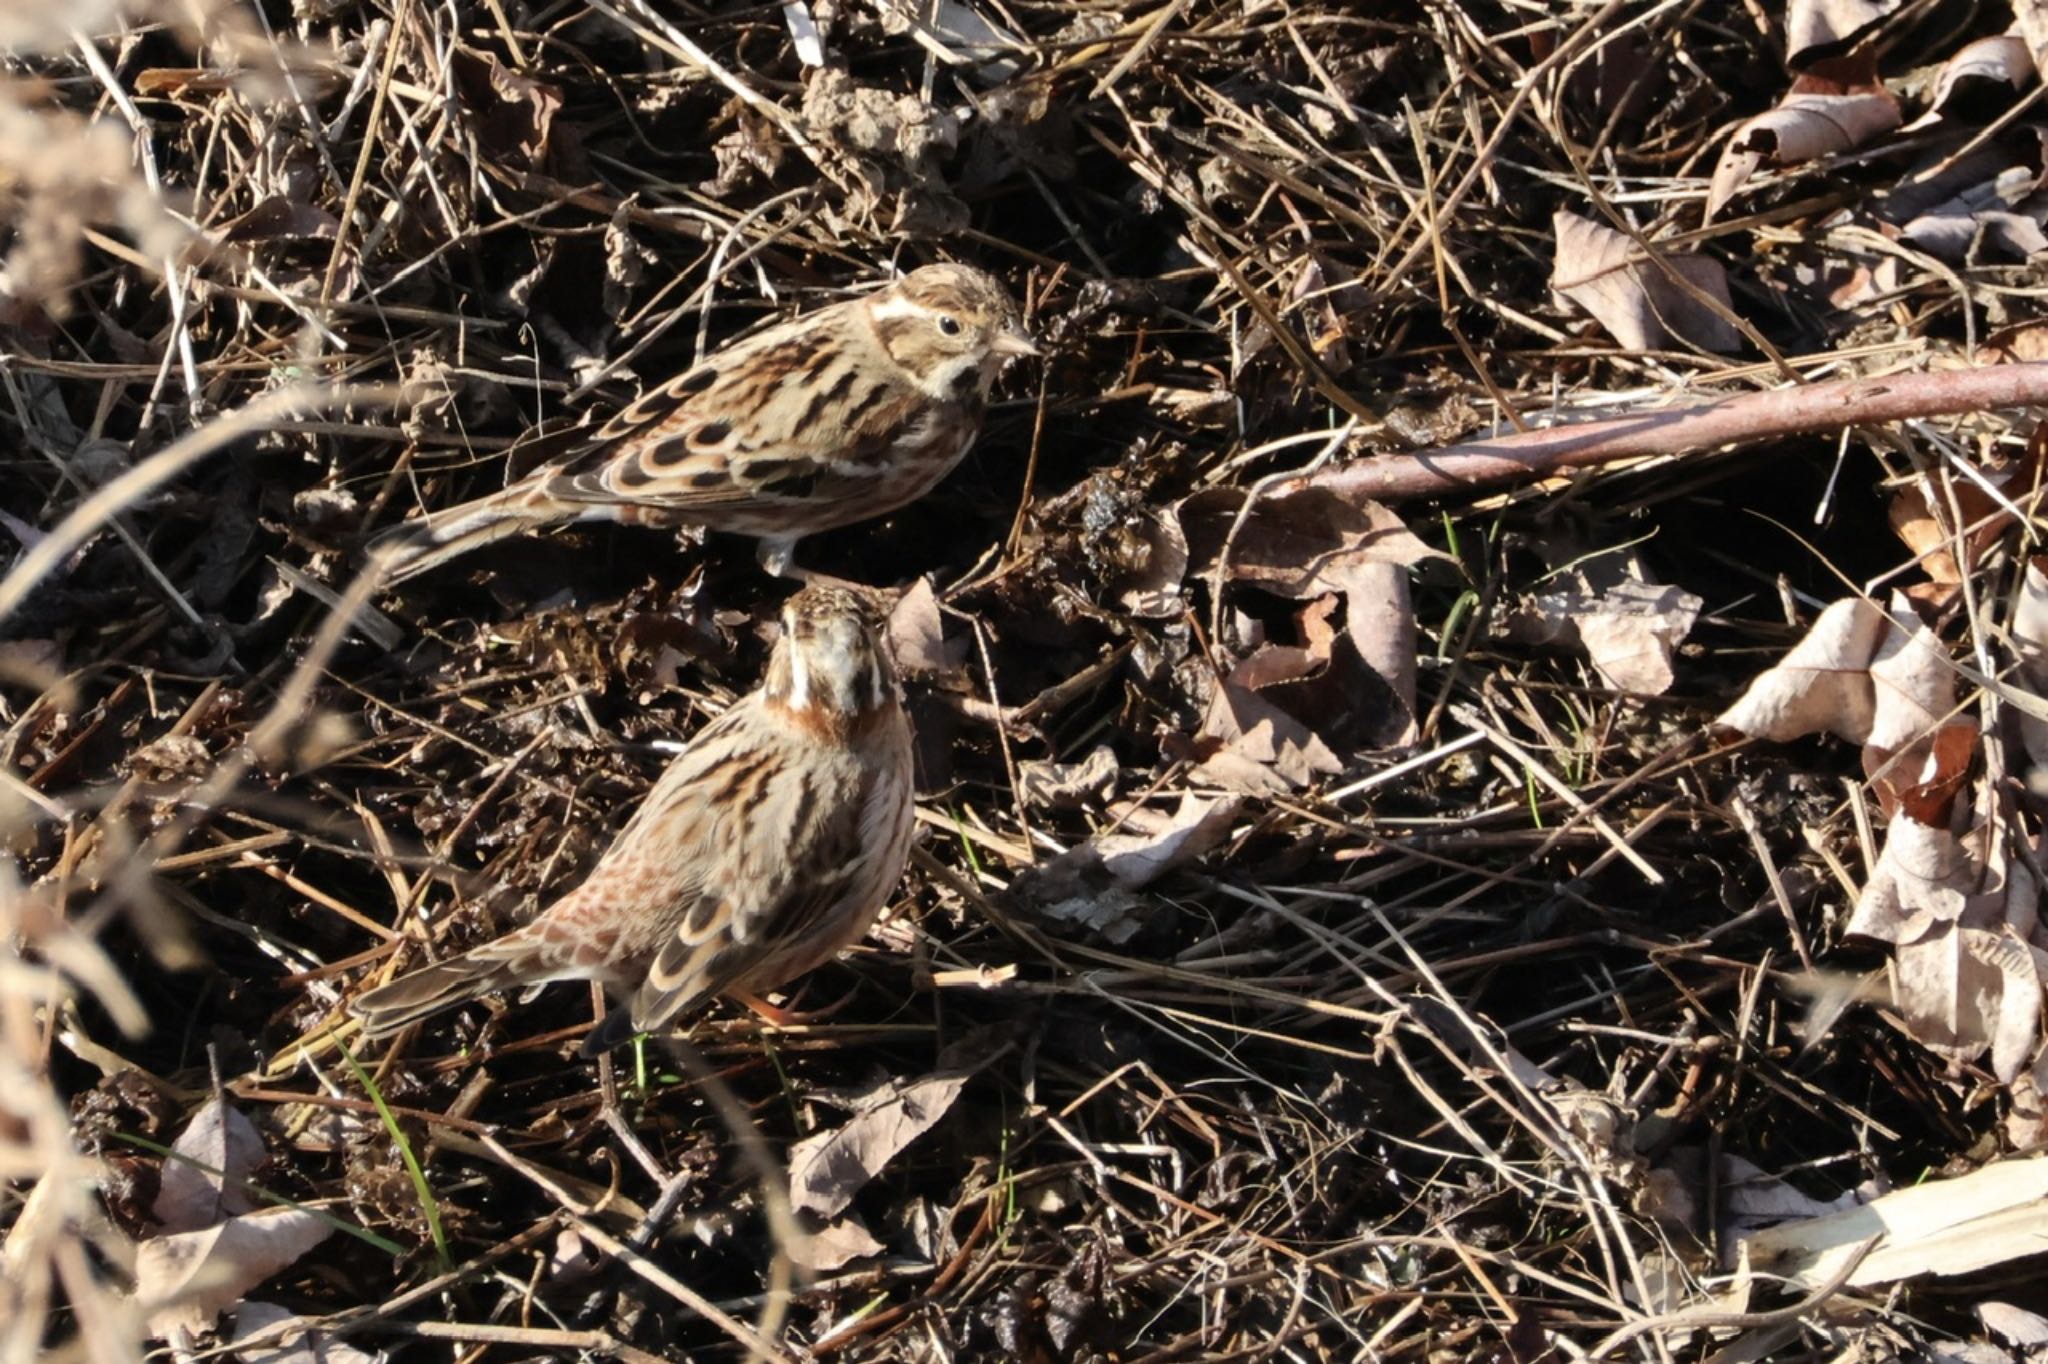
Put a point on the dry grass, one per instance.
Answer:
(1408, 1067)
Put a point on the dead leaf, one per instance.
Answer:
(828, 1168)
(185, 1280)
(1301, 545)
(1924, 870)
(1816, 30)
(1822, 685)
(1379, 616)
(573, 1256)
(1964, 991)
(1996, 219)
(1914, 688)
(1114, 915)
(2029, 632)
(1635, 298)
(282, 1336)
(1161, 842)
(835, 1246)
(1068, 786)
(2015, 1324)
(1252, 727)
(917, 635)
(1630, 629)
(1924, 516)
(1313, 544)
(2018, 344)
(1820, 117)
(1983, 78)
(212, 1161)
(511, 114)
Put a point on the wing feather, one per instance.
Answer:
(784, 419)
(801, 872)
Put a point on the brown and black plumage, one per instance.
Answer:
(765, 849)
(843, 414)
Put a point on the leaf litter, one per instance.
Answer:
(1285, 830)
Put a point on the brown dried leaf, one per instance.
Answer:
(211, 1162)
(1629, 628)
(2016, 345)
(1253, 728)
(2029, 631)
(1964, 991)
(835, 1245)
(2000, 218)
(512, 114)
(1823, 684)
(185, 1280)
(1635, 298)
(1379, 616)
(1984, 78)
(1818, 118)
(1925, 869)
(828, 1168)
(917, 634)
(1160, 842)
(1914, 686)
(1067, 786)
(1300, 545)
(282, 1336)
(1816, 30)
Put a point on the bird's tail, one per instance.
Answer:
(413, 547)
(507, 962)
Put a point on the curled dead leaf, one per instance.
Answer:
(1822, 685)
(1629, 629)
(2029, 632)
(1160, 842)
(828, 1168)
(1817, 30)
(184, 1281)
(1637, 299)
(1066, 786)
(1983, 78)
(1818, 118)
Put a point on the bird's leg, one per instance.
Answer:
(777, 555)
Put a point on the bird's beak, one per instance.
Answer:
(1013, 343)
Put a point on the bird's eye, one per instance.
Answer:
(949, 325)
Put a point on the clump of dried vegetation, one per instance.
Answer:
(1380, 895)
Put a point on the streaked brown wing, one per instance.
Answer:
(791, 864)
(786, 418)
